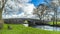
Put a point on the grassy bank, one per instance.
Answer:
(51, 23)
(20, 29)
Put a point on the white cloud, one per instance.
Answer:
(56, 2)
(23, 1)
(27, 9)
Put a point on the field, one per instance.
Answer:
(20, 29)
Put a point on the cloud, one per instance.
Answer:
(23, 1)
(56, 2)
(26, 8)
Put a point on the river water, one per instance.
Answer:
(45, 27)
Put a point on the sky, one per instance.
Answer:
(27, 8)
(37, 2)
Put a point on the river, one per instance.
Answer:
(46, 27)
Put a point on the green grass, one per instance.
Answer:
(20, 29)
(51, 23)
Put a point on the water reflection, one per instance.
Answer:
(45, 27)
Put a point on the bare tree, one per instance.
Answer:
(54, 4)
(3, 5)
(40, 10)
(52, 7)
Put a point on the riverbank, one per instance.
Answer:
(20, 29)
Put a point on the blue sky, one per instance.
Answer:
(37, 2)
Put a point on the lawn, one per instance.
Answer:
(20, 29)
(51, 23)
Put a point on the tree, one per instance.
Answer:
(50, 6)
(3, 4)
(40, 10)
(54, 4)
